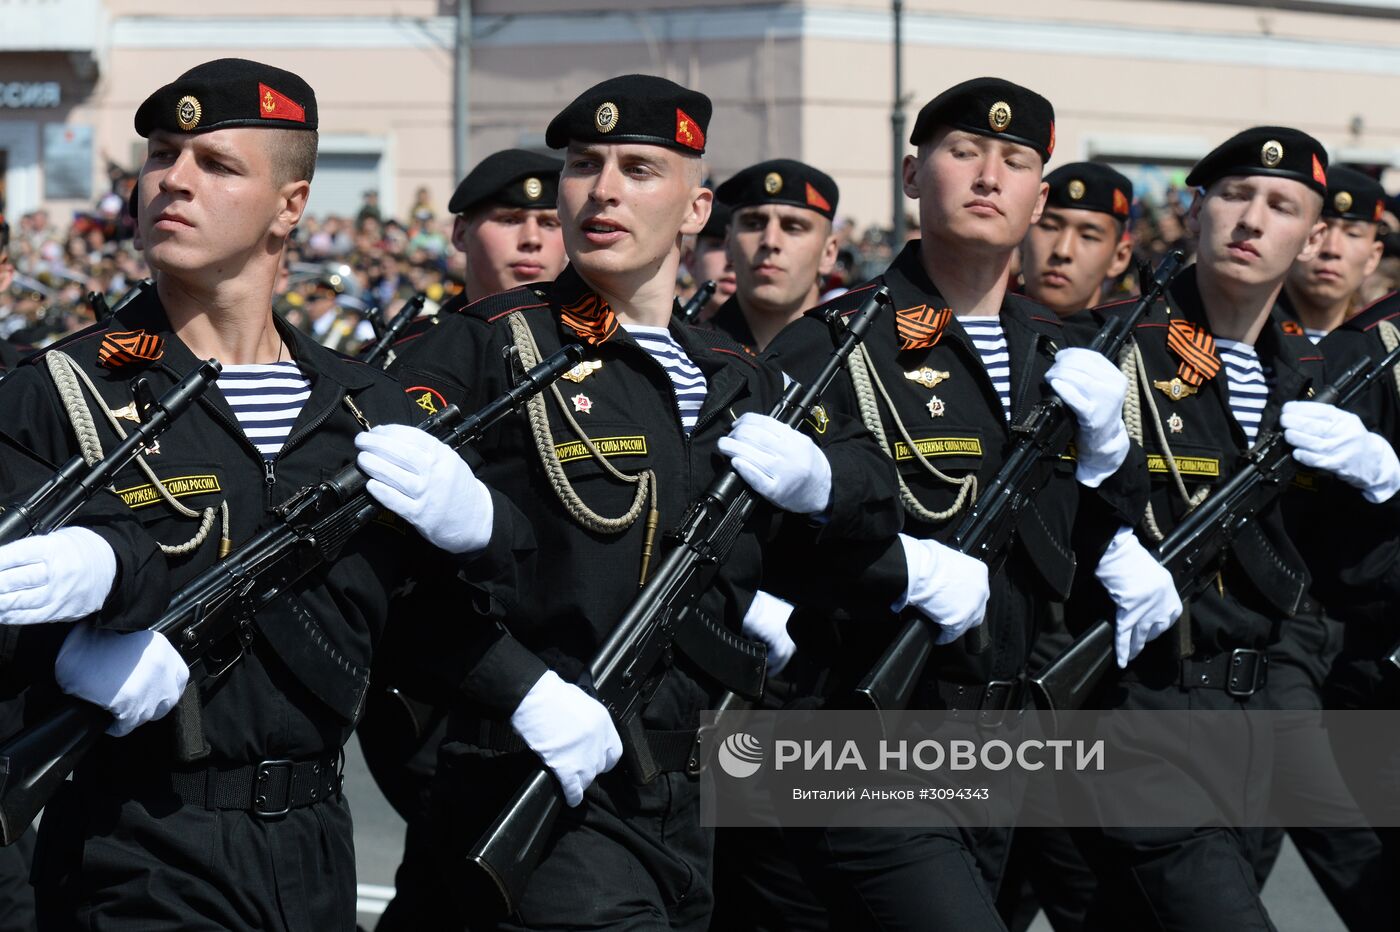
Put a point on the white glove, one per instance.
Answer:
(571, 732)
(55, 577)
(766, 621)
(1143, 591)
(779, 463)
(1093, 388)
(421, 479)
(1333, 440)
(949, 587)
(138, 677)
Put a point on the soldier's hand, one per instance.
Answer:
(1094, 389)
(781, 464)
(420, 479)
(766, 621)
(571, 732)
(1143, 591)
(55, 577)
(948, 587)
(137, 676)
(1336, 441)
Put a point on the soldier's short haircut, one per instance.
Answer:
(293, 154)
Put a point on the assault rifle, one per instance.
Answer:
(663, 617)
(385, 339)
(987, 530)
(1192, 552)
(209, 621)
(691, 312)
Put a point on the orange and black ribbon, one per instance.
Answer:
(591, 318)
(921, 326)
(122, 348)
(1196, 349)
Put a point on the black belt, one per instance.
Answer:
(268, 789)
(991, 700)
(1241, 672)
(673, 750)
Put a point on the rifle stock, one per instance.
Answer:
(1195, 546)
(508, 851)
(987, 530)
(390, 333)
(215, 608)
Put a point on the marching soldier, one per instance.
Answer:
(940, 387)
(1209, 367)
(600, 464)
(1081, 242)
(1322, 292)
(780, 246)
(231, 145)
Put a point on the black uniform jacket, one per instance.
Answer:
(960, 426)
(730, 319)
(1264, 576)
(299, 689)
(627, 406)
(1353, 546)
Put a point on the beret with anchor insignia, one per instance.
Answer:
(1353, 195)
(781, 181)
(511, 178)
(1091, 186)
(229, 92)
(717, 227)
(991, 107)
(634, 108)
(1272, 151)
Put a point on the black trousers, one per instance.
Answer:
(16, 895)
(758, 886)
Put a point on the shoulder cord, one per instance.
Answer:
(1132, 366)
(645, 481)
(866, 383)
(1390, 338)
(65, 374)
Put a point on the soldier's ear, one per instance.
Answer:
(1193, 216)
(701, 201)
(1313, 245)
(290, 207)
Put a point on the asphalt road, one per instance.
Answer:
(1291, 895)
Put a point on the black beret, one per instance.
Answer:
(781, 181)
(1091, 186)
(718, 224)
(229, 92)
(1353, 195)
(991, 107)
(1273, 151)
(513, 178)
(634, 108)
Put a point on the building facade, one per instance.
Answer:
(1147, 85)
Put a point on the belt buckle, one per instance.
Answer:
(262, 778)
(995, 691)
(1246, 665)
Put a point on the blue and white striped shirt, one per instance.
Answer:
(990, 341)
(266, 398)
(1249, 384)
(686, 378)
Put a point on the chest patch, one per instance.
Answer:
(139, 496)
(608, 446)
(940, 446)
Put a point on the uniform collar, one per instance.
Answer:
(730, 319)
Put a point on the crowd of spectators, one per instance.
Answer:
(348, 265)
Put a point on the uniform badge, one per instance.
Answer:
(819, 419)
(129, 347)
(928, 378)
(936, 407)
(583, 370)
(582, 403)
(1076, 190)
(188, 111)
(1175, 423)
(127, 412)
(1175, 389)
(1271, 153)
(1342, 201)
(605, 117)
(426, 398)
(999, 117)
(533, 188)
(1292, 328)
(772, 183)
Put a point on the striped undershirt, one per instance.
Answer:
(266, 398)
(990, 340)
(686, 378)
(1314, 334)
(1249, 384)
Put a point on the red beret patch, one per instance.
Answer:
(815, 199)
(1120, 203)
(687, 132)
(276, 106)
(1319, 175)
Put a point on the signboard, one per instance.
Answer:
(67, 162)
(29, 95)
